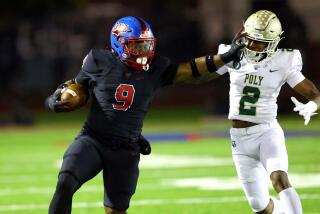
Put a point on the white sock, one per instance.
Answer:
(277, 206)
(290, 201)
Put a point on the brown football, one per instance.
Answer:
(76, 94)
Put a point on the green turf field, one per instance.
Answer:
(193, 177)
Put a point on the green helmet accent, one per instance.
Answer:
(263, 26)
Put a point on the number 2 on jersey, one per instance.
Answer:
(124, 96)
(251, 95)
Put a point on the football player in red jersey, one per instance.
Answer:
(122, 82)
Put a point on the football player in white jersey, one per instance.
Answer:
(258, 143)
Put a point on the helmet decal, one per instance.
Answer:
(119, 28)
(145, 31)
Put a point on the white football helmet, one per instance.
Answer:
(262, 26)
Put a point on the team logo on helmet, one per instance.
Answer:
(119, 28)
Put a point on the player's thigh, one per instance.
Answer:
(82, 159)
(245, 144)
(120, 176)
(248, 169)
(273, 152)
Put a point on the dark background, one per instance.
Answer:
(43, 43)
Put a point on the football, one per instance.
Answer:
(76, 94)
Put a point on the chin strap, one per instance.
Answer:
(136, 65)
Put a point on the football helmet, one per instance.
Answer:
(133, 42)
(262, 27)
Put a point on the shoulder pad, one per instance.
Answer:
(290, 53)
(104, 58)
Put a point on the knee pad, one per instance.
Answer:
(67, 183)
(257, 204)
(257, 194)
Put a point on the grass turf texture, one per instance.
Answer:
(29, 156)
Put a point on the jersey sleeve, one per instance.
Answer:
(169, 72)
(222, 49)
(88, 68)
(294, 75)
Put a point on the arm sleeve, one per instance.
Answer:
(169, 73)
(86, 74)
(294, 75)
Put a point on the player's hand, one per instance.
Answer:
(145, 147)
(306, 110)
(235, 52)
(54, 103)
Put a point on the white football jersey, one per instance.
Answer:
(254, 88)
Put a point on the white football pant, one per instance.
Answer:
(258, 151)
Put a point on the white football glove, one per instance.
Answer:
(306, 110)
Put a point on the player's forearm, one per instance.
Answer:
(199, 70)
(307, 89)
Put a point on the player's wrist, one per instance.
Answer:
(227, 57)
(317, 101)
(66, 84)
(312, 105)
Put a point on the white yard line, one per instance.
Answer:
(154, 161)
(232, 183)
(4, 192)
(21, 207)
(200, 183)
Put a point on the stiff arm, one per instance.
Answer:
(203, 69)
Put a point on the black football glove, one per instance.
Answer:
(145, 147)
(235, 52)
(54, 103)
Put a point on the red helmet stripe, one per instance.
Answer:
(142, 24)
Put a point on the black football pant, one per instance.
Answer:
(83, 160)
(62, 199)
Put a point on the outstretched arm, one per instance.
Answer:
(199, 70)
(204, 68)
(307, 89)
